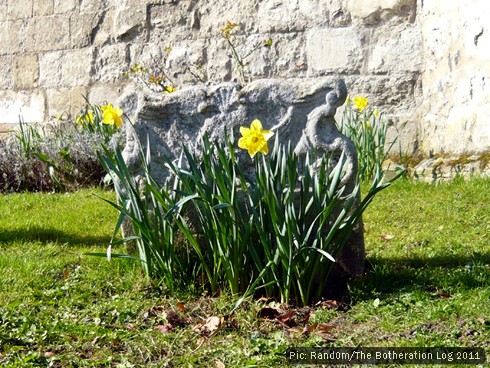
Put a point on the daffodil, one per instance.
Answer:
(376, 112)
(360, 103)
(254, 139)
(86, 118)
(170, 89)
(111, 115)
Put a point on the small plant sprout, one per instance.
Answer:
(154, 78)
(240, 58)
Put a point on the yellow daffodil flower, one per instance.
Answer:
(254, 139)
(111, 115)
(376, 112)
(87, 118)
(360, 103)
(170, 89)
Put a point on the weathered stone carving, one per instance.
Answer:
(300, 111)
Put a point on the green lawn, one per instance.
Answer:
(428, 284)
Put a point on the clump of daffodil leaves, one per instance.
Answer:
(277, 233)
(367, 128)
(105, 119)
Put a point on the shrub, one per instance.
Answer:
(59, 156)
(278, 232)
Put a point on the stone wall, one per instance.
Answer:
(455, 116)
(419, 61)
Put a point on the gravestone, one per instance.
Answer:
(299, 111)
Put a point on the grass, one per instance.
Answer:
(428, 284)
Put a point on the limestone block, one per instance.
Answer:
(3, 11)
(19, 9)
(65, 6)
(259, 61)
(220, 67)
(91, 6)
(58, 102)
(31, 105)
(82, 28)
(110, 62)
(66, 68)
(467, 130)
(65, 101)
(437, 40)
(6, 80)
(77, 99)
(334, 50)
(42, 7)
(4, 38)
(103, 94)
(372, 11)
(472, 39)
(12, 37)
(291, 16)
(170, 15)
(184, 56)
(287, 55)
(26, 71)
(104, 29)
(446, 168)
(130, 19)
(77, 67)
(397, 50)
(339, 16)
(48, 33)
(50, 69)
(212, 16)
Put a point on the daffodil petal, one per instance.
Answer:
(267, 134)
(244, 131)
(256, 125)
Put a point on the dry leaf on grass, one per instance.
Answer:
(130, 327)
(175, 318)
(219, 364)
(211, 325)
(387, 236)
(444, 295)
(270, 312)
(164, 328)
(332, 304)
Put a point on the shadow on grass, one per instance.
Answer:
(47, 235)
(435, 274)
